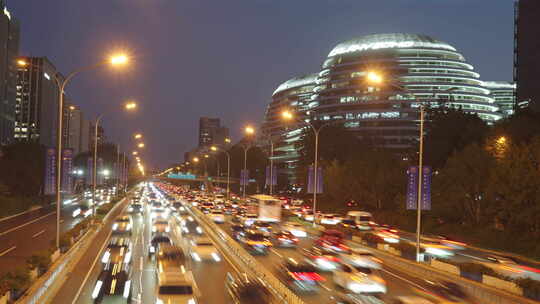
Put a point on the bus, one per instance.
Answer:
(269, 208)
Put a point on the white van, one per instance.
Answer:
(176, 287)
(363, 219)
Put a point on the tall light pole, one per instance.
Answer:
(248, 131)
(287, 115)
(128, 106)
(215, 149)
(61, 84)
(375, 78)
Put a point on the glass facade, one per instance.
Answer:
(504, 94)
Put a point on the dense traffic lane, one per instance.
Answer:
(22, 236)
(398, 284)
(209, 276)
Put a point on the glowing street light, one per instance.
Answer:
(131, 105)
(119, 59)
(249, 130)
(195, 159)
(227, 140)
(140, 145)
(134, 153)
(137, 136)
(374, 77)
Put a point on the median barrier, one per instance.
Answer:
(241, 258)
(502, 284)
(453, 269)
(5, 297)
(482, 292)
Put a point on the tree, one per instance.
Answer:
(460, 190)
(23, 169)
(449, 130)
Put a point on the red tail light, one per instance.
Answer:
(307, 276)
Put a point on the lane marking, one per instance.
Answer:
(403, 279)
(325, 287)
(7, 250)
(141, 264)
(39, 233)
(471, 256)
(27, 223)
(91, 268)
(276, 253)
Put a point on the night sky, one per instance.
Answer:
(224, 58)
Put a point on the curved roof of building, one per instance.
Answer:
(296, 82)
(388, 41)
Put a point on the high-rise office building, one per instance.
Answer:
(504, 93)
(85, 135)
(72, 128)
(9, 50)
(211, 132)
(526, 46)
(36, 108)
(101, 138)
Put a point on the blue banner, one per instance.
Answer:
(274, 176)
(89, 171)
(49, 188)
(67, 168)
(426, 187)
(412, 188)
(311, 177)
(244, 177)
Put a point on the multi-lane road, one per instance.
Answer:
(24, 234)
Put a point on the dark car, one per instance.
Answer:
(159, 238)
(255, 242)
(332, 240)
(113, 285)
(135, 208)
(285, 239)
(190, 226)
(237, 231)
(299, 275)
(118, 251)
(245, 291)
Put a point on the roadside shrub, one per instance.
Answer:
(17, 279)
(40, 260)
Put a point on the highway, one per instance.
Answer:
(22, 235)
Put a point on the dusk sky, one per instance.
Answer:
(224, 58)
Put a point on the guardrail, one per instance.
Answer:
(46, 286)
(482, 292)
(243, 259)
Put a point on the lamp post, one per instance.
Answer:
(287, 115)
(215, 149)
(128, 106)
(248, 131)
(61, 84)
(375, 78)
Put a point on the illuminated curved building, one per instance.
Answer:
(294, 94)
(416, 69)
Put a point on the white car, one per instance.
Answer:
(361, 258)
(330, 219)
(217, 216)
(359, 279)
(159, 212)
(202, 249)
(296, 229)
(249, 219)
(177, 288)
(161, 225)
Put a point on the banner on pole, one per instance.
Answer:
(67, 167)
(412, 188)
(244, 177)
(50, 172)
(274, 176)
(89, 171)
(311, 177)
(99, 171)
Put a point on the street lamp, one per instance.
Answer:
(215, 149)
(375, 78)
(288, 115)
(134, 153)
(249, 130)
(140, 145)
(129, 106)
(116, 60)
(137, 136)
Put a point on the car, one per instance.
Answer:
(361, 257)
(347, 224)
(118, 251)
(237, 231)
(446, 241)
(113, 286)
(295, 228)
(189, 226)
(248, 219)
(202, 249)
(159, 212)
(170, 258)
(332, 240)
(158, 238)
(122, 224)
(329, 219)
(160, 225)
(285, 239)
(135, 208)
(308, 215)
(444, 292)
(264, 227)
(219, 198)
(357, 279)
(206, 207)
(255, 242)
(175, 287)
(299, 276)
(322, 260)
(217, 216)
(242, 290)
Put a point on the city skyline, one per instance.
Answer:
(483, 40)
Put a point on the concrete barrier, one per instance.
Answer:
(502, 284)
(4, 299)
(453, 269)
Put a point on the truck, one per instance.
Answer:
(269, 207)
(363, 220)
